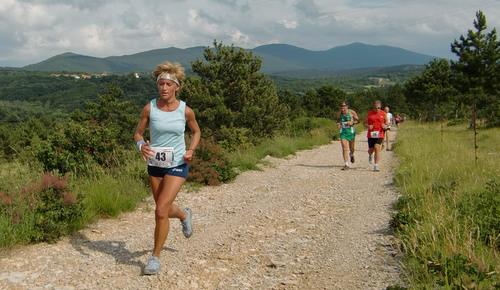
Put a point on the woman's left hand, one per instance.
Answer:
(188, 156)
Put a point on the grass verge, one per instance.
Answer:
(318, 132)
(448, 219)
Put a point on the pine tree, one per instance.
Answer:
(477, 71)
(231, 92)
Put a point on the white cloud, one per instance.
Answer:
(33, 30)
(96, 38)
(202, 23)
(239, 38)
(288, 24)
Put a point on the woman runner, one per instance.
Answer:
(167, 156)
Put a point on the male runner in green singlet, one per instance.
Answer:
(345, 121)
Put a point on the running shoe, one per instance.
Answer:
(370, 159)
(187, 223)
(153, 266)
(345, 167)
(352, 158)
(376, 168)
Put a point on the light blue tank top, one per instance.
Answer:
(167, 130)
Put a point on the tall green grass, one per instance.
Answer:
(448, 218)
(301, 136)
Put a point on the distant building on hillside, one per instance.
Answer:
(377, 82)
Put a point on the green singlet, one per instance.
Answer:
(347, 132)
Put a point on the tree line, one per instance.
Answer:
(454, 90)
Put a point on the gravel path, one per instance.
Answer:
(301, 223)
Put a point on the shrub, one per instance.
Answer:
(232, 139)
(77, 147)
(210, 165)
(302, 124)
(46, 210)
(57, 212)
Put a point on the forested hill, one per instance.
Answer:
(277, 58)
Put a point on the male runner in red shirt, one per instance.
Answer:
(376, 123)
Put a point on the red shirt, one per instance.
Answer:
(377, 118)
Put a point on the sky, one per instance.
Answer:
(33, 30)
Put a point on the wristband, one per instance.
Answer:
(139, 144)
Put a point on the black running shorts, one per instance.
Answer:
(373, 141)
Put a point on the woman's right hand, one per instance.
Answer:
(370, 127)
(146, 151)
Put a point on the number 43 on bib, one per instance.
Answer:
(163, 157)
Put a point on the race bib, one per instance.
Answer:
(345, 125)
(374, 134)
(163, 157)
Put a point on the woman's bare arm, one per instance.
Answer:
(195, 133)
(139, 132)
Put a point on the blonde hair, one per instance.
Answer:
(174, 68)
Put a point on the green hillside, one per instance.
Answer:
(277, 59)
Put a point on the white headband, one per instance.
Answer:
(167, 76)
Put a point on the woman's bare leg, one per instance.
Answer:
(165, 195)
(175, 211)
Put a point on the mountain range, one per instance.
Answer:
(277, 59)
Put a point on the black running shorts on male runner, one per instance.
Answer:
(373, 141)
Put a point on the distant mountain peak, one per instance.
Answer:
(69, 53)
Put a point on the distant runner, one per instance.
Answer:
(397, 120)
(346, 119)
(390, 121)
(168, 159)
(376, 123)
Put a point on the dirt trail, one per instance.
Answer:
(301, 223)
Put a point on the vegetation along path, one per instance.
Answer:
(301, 223)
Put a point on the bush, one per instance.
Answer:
(46, 207)
(77, 148)
(234, 138)
(210, 165)
(302, 124)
